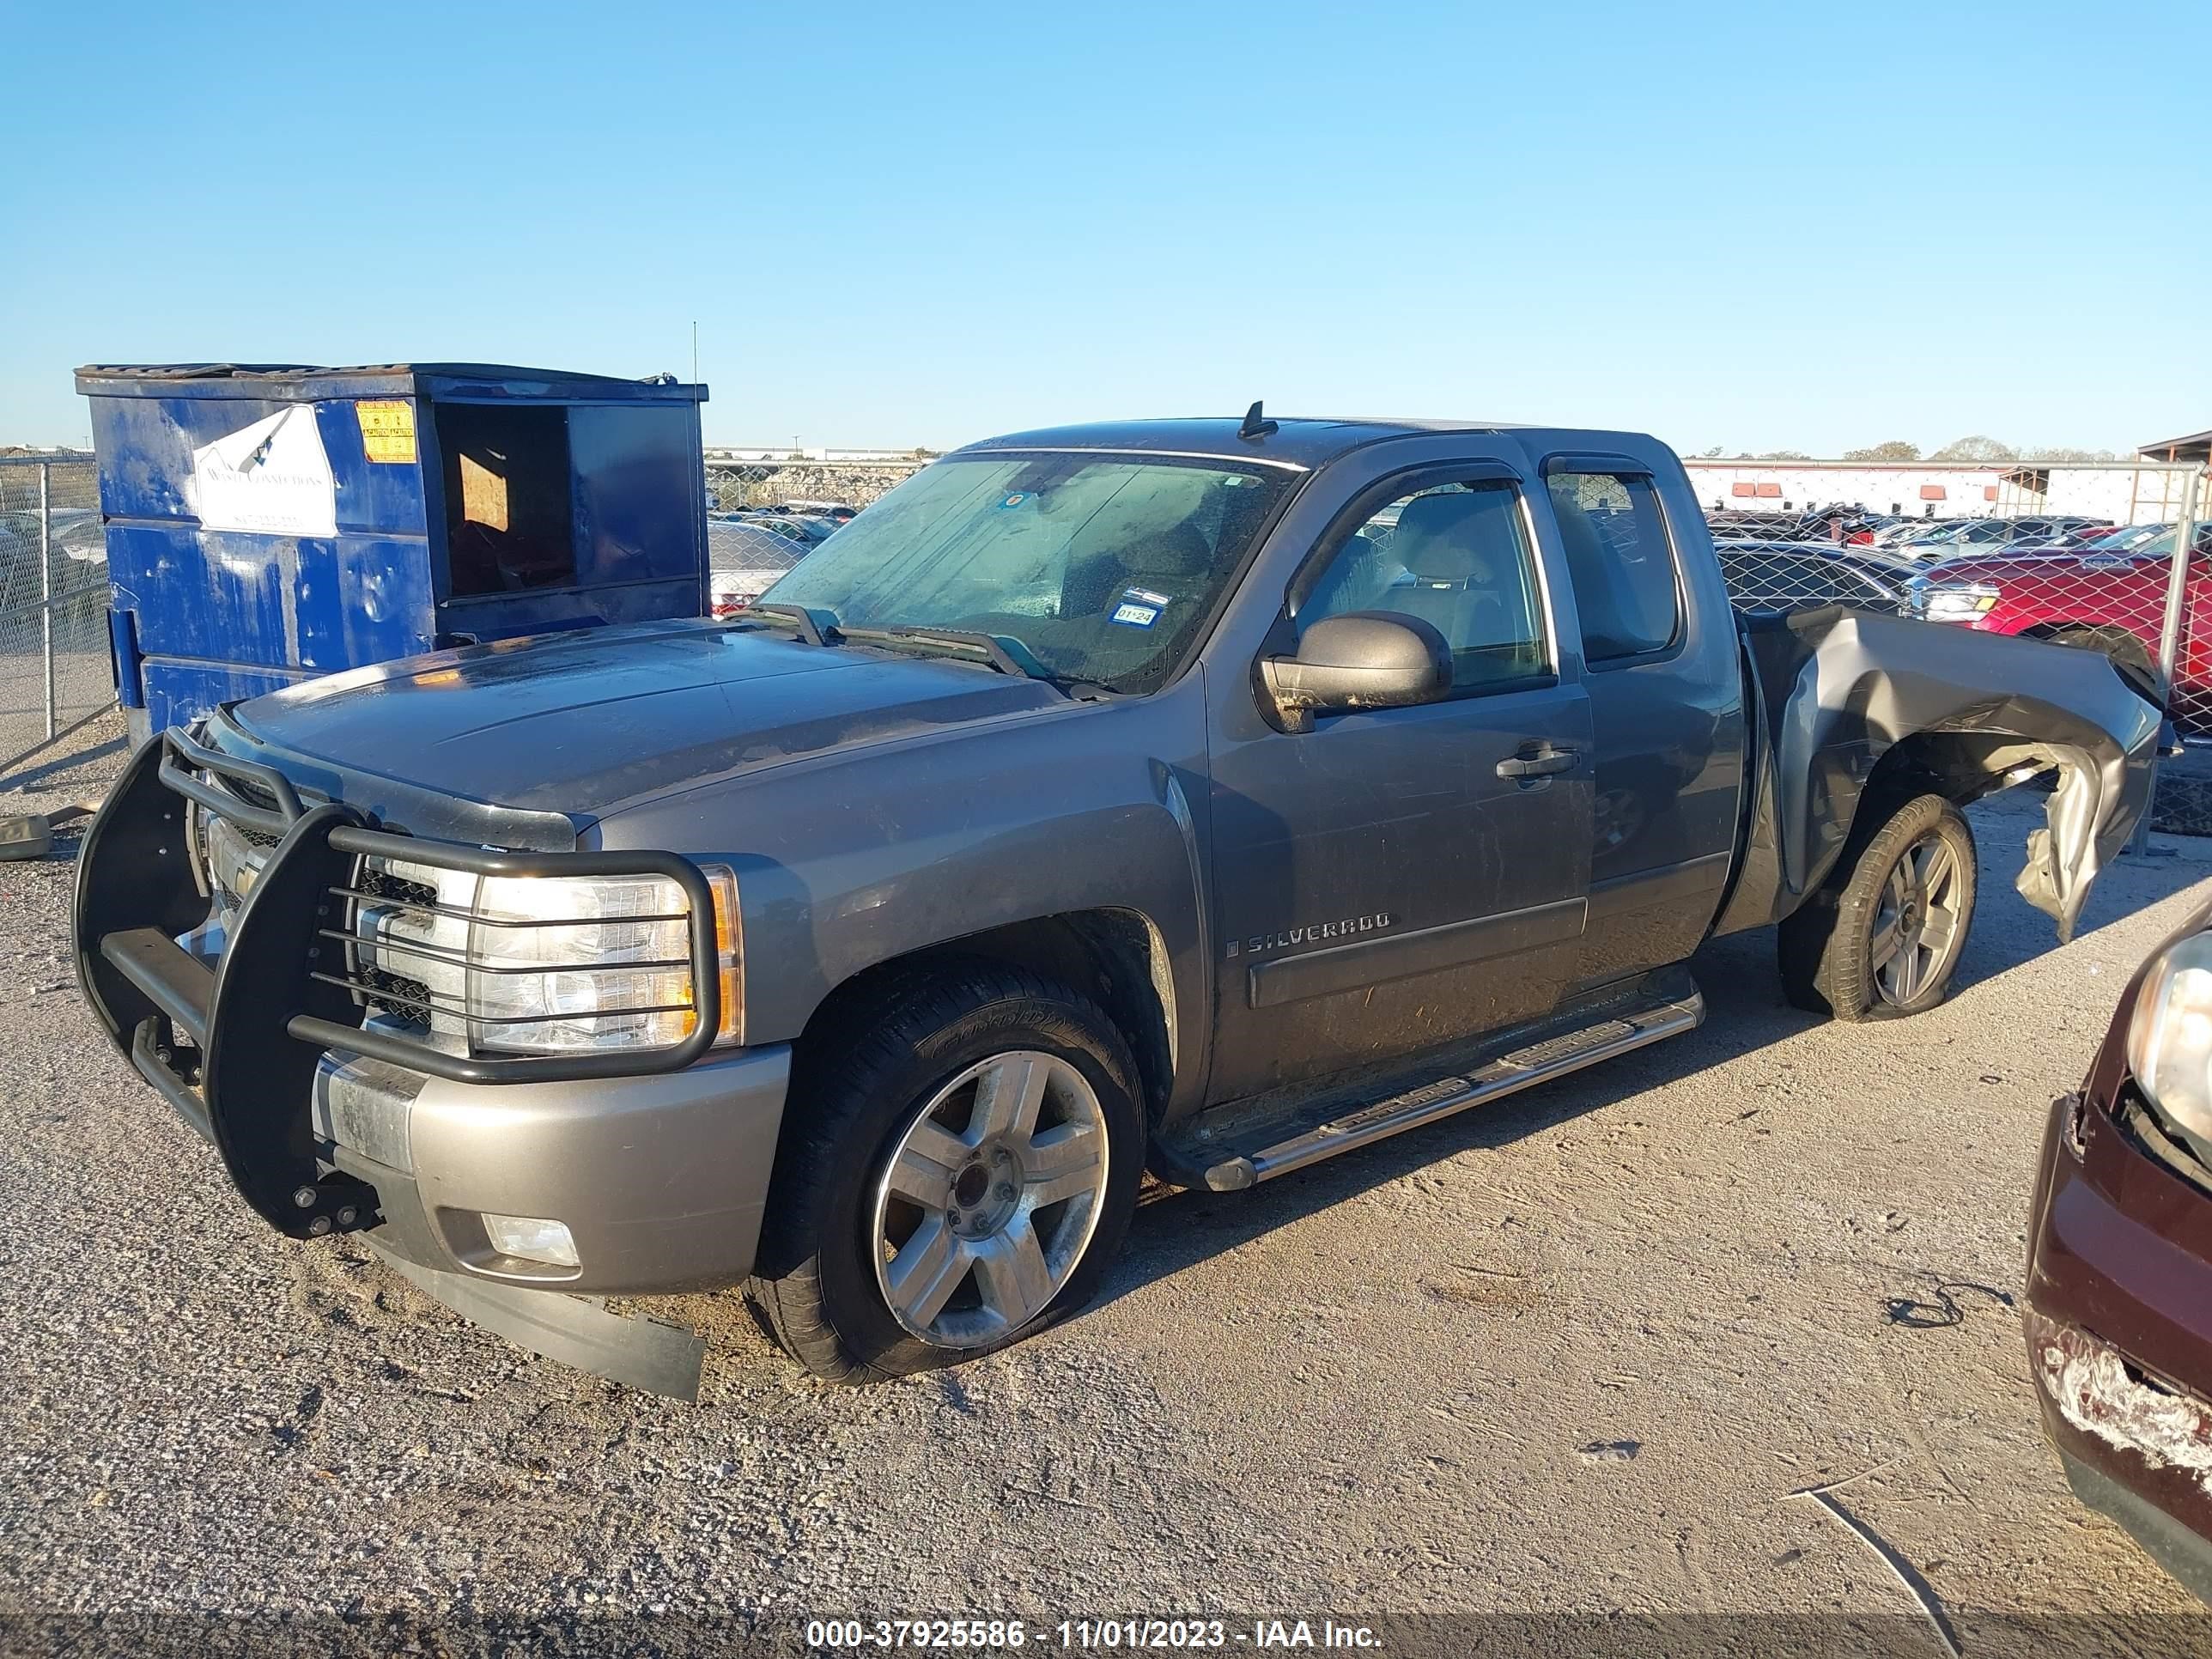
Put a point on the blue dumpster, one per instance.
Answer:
(268, 524)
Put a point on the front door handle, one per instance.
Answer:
(1540, 765)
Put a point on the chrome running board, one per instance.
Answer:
(1508, 1074)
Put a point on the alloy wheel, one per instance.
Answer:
(1917, 926)
(988, 1200)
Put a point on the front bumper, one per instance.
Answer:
(329, 1119)
(662, 1181)
(2119, 1331)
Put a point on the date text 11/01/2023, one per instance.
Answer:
(1095, 1635)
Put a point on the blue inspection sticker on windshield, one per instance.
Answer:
(1132, 615)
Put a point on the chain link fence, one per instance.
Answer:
(743, 557)
(55, 670)
(746, 555)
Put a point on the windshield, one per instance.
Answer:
(1102, 568)
(2132, 538)
(2162, 545)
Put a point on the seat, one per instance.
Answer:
(1605, 629)
(1175, 563)
(1462, 549)
(1179, 555)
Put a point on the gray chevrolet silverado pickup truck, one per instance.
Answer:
(1194, 799)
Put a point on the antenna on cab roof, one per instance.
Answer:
(1256, 425)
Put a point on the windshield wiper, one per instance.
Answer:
(816, 627)
(1002, 650)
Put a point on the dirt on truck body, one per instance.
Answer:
(1204, 798)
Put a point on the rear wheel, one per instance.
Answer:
(968, 1166)
(1886, 934)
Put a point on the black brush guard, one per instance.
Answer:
(235, 1048)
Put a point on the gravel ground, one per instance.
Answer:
(1572, 1355)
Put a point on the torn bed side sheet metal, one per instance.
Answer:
(1835, 690)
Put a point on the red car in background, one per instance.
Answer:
(2108, 596)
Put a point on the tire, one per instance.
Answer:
(2129, 655)
(1828, 949)
(905, 1143)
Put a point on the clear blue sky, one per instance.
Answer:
(1758, 226)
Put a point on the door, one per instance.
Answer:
(1666, 708)
(1394, 879)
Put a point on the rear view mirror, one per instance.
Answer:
(1364, 660)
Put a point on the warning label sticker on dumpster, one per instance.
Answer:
(272, 477)
(387, 431)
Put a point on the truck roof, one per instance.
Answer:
(1297, 441)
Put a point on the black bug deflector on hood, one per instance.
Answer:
(1835, 691)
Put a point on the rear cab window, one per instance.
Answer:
(1620, 561)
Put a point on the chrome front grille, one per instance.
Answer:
(408, 934)
(377, 881)
(379, 892)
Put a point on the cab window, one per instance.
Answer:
(1457, 556)
(1621, 562)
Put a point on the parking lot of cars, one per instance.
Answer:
(1781, 575)
(747, 550)
(1621, 1299)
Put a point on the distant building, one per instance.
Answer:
(2198, 447)
(2124, 492)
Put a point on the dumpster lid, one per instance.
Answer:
(310, 382)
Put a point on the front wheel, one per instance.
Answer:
(961, 1164)
(1883, 938)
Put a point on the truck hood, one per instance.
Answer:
(586, 723)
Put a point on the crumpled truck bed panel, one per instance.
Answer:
(1833, 691)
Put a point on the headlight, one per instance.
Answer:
(1961, 604)
(2170, 1036)
(559, 964)
(233, 862)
